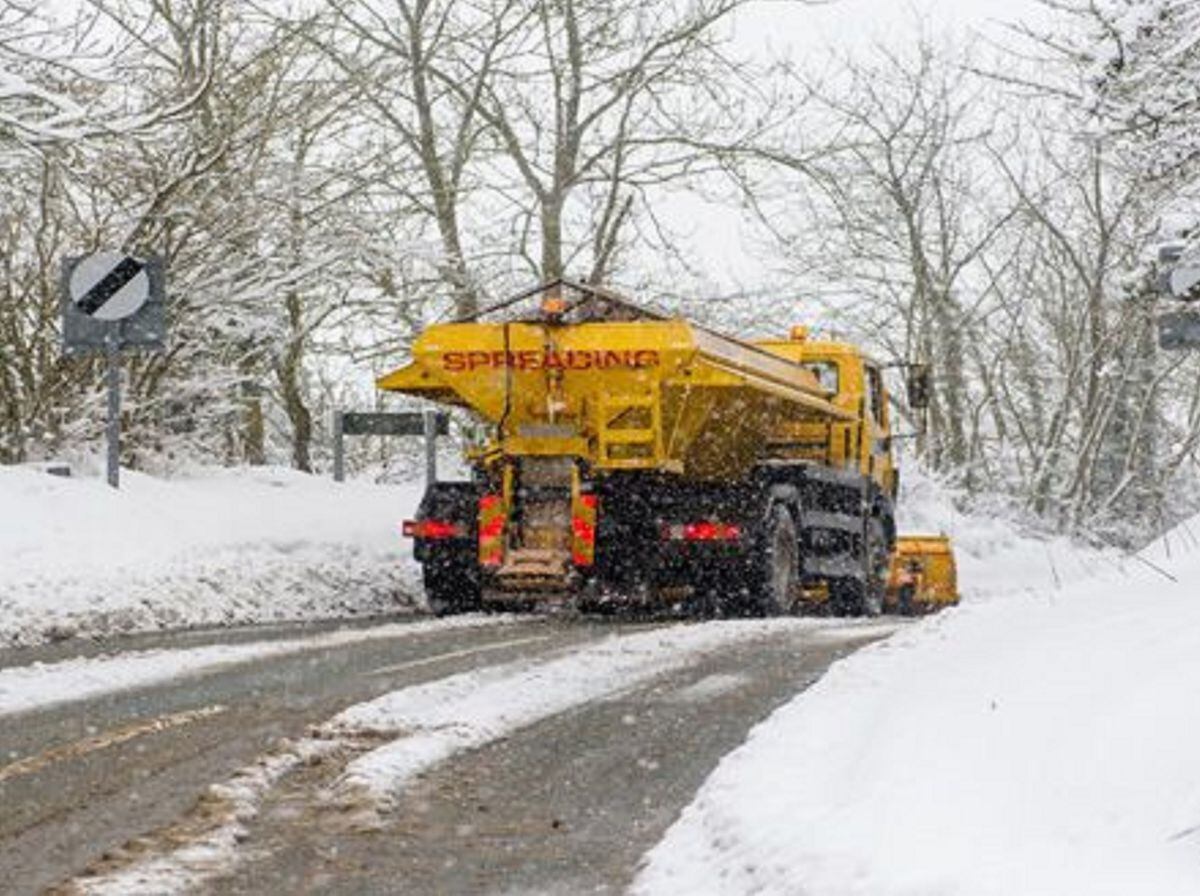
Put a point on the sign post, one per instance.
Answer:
(339, 447)
(112, 301)
(112, 430)
(430, 419)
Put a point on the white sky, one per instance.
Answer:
(811, 32)
(850, 24)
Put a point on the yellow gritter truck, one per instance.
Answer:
(638, 460)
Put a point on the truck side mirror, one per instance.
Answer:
(919, 386)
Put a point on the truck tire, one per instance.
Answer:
(450, 589)
(864, 597)
(775, 566)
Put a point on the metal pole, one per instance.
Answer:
(112, 354)
(430, 419)
(339, 447)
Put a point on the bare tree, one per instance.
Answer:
(899, 218)
(550, 126)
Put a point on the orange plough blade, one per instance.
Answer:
(923, 576)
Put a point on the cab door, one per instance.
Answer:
(877, 433)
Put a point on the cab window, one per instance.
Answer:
(875, 391)
(826, 373)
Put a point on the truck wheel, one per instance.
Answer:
(450, 590)
(776, 564)
(878, 553)
(864, 597)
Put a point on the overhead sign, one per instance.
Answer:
(1179, 330)
(113, 295)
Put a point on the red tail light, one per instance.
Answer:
(433, 529)
(491, 530)
(705, 530)
(583, 530)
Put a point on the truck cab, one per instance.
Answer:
(855, 383)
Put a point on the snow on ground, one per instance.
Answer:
(217, 547)
(995, 557)
(430, 723)
(41, 685)
(210, 851)
(1037, 741)
(464, 711)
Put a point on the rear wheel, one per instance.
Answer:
(775, 566)
(451, 589)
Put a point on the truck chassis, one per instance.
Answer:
(756, 547)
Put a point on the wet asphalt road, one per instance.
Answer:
(567, 805)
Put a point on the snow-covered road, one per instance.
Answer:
(199, 767)
(1039, 739)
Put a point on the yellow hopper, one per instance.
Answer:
(663, 395)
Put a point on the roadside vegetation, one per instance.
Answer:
(324, 178)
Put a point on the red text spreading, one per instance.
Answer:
(532, 359)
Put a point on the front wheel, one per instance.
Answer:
(864, 596)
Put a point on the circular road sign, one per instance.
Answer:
(1185, 280)
(109, 285)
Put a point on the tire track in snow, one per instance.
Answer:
(419, 726)
(43, 685)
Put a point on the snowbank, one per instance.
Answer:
(995, 557)
(216, 547)
(1043, 743)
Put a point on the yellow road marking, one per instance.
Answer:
(31, 764)
(429, 660)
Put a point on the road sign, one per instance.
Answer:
(393, 424)
(1179, 330)
(113, 301)
(1184, 281)
(109, 285)
(429, 424)
(86, 280)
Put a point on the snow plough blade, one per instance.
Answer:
(923, 576)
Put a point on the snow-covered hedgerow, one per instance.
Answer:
(217, 547)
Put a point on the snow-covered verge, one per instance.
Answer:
(1033, 741)
(996, 557)
(216, 547)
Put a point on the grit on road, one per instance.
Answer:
(565, 799)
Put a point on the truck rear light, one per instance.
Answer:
(705, 530)
(583, 531)
(491, 530)
(433, 529)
